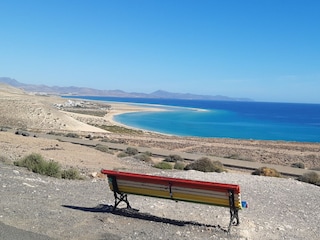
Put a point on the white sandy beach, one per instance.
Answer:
(122, 108)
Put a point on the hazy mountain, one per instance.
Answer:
(82, 91)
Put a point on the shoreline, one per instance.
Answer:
(118, 108)
(213, 126)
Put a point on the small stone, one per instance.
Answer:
(28, 185)
(101, 175)
(110, 220)
(16, 172)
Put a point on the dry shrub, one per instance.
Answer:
(103, 148)
(173, 158)
(265, 171)
(122, 155)
(205, 165)
(131, 151)
(148, 153)
(298, 165)
(163, 165)
(143, 157)
(71, 174)
(35, 162)
(179, 165)
(53, 169)
(72, 135)
(310, 177)
(239, 157)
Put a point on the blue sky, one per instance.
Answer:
(265, 50)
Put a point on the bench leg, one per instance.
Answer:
(120, 197)
(234, 217)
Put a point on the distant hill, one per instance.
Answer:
(82, 91)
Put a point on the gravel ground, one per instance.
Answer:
(65, 209)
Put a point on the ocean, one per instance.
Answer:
(225, 119)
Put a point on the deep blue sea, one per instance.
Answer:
(225, 119)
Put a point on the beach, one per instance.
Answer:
(122, 108)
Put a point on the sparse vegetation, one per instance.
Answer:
(105, 139)
(316, 168)
(173, 158)
(54, 133)
(238, 157)
(122, 155)
(310, 177)
(4, 128)
(163, 165)
(36, 163)
(131, 151)
(148, 153)
(22, 132)
(52, 169)
(72, 135)
(96, 112)
(205, 165)
(71, 174)
(233, 156)
(298, 165)
(265, 171)
(143, 157)
(179, 165)
(120, 141)
(119, 129)
(103, 148)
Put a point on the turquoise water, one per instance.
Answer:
(221, 124)
(242, 120)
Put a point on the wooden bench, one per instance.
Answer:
(219, 194)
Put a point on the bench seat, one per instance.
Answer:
(219, 194)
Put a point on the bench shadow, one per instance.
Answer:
(134, 213)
